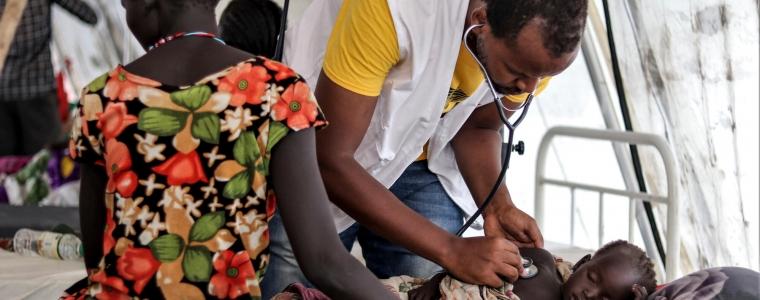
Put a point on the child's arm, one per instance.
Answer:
(302, 201)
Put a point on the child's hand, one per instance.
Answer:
(640, 292)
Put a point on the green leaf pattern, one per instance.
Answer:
(206, 227)
(161, 121)
(197, 264)
(167, 248)
(192, 98)
(206, 127)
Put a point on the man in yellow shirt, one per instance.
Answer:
(382, 86)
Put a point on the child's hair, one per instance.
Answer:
(251, 26)
(639, 260)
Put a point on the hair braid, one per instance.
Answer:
(251, 25)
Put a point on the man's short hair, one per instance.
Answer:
(562, 21)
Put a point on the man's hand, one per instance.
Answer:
(507, 221)
(478, 148)
(483, 260)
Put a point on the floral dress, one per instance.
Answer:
(187, 199)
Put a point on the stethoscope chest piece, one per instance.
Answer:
(529, 269)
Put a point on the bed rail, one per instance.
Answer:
(671, 200)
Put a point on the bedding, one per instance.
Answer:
(716, 283)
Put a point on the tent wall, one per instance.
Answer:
(687, 67)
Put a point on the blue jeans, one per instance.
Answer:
(419, 189)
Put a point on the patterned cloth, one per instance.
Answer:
(450, 288)
(187, 198)
(28, 71)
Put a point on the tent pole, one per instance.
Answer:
(598, 64)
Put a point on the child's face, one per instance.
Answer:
(609, 277)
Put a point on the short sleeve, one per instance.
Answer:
(85, 139)
(296, 107)
(363, 47)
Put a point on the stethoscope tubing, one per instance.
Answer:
(511, 126)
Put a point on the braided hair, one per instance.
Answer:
(639, 261)
(251, 26)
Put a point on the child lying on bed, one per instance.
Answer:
(619, 270)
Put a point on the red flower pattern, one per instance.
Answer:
(271, 205)
(138, 265)
(123, 85)
(182, 169)
(108, 241)
(114, 120)
(283, 71)
(113, 287)
(296, 106)
(246, 83)
(118, 163)
(232, 271)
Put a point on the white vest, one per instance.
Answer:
(409, 108)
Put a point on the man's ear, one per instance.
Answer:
(583, 260)
(478, 15)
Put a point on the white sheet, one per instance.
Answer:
(33, 278)
(566, 252)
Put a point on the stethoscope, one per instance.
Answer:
(529, 270)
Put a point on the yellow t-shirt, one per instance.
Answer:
(363, 48)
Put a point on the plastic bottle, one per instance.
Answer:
(70, 247)
(29, 242)
(25, 242)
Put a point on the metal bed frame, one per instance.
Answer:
(671, 200)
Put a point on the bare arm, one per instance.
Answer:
(309, 225)
(355, 191)
(92, 213)
(477, 148)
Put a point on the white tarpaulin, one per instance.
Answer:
(690, 72)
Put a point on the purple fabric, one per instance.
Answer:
(710, 284)
(305, 293)
(3, 195)
(12, 164)
(57, 178)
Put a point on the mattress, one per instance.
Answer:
(35, 278)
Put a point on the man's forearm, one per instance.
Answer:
(352, 189)
(478, 154)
